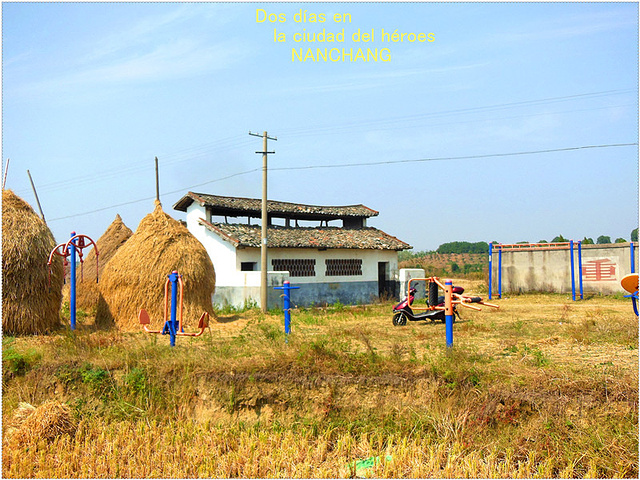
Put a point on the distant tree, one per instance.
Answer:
(603, 239)
(455, 268)
(410, 254)
(620, 240)
(542, 241)
(634, 235)
(587, 241)
(463, 247)
(472, 267)
(404, 255)
(559, 238)
(519, 243)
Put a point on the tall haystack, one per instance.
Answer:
(87, 292)
(30, 303)
(135, 276)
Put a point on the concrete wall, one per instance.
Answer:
(546, 270)
(248, 292)
(322, 289)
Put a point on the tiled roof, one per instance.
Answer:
(366, 238)
(239, 206)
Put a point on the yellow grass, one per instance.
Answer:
(542, 388)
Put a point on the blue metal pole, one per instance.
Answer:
(490, 267)
(633, 259)
(580, 268)
(448, 318)
(72, 285)
(173, 323)
(500, 273)
(287, 307)
(573, 280)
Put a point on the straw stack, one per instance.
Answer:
(46, 422)
(87, 292)
(135, 276)
(30, 303)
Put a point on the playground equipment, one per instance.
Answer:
(571, 246)
(173, 326)
(630, 284)
(287, 304)
(442, 308)
(74, 245)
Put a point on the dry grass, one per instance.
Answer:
(30, 301)
(524, 393)
(47, 422)
(87, 292)
(135, 276)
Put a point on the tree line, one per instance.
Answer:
(483, 247)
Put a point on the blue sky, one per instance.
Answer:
(93, 92)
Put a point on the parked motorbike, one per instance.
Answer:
(402, 312)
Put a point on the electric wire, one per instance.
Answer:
(359, 164)
(146, 199)
(193, 153)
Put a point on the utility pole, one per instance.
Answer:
(6, 169)
(157, 182)
(36, 194)
(265, 221)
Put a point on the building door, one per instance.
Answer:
(385, 286)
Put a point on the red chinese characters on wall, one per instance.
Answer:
(601, 270)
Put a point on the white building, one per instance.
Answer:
(329, 252)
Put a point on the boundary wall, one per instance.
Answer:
(540, 269)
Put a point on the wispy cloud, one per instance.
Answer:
(572, 26)
(183, 59)
(378, 79)
(155, 48)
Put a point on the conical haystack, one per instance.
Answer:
(30, 303)
(135, 276)
(87, 292)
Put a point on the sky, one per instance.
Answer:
(502, 122)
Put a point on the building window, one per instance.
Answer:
(346, 266)
(248, 266)
(297, 267)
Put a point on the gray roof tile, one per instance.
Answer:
(366, 238)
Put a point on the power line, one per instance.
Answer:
(446, 113)
(152, 198)
(360, 164)
(466, 157)
(226, 143)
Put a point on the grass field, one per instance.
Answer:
(542, 387)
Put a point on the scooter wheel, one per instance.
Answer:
(399, 319)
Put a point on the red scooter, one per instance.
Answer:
(402, 312)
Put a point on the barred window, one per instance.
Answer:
(346, 266)
(297, 267)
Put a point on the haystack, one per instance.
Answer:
(87, 292)
(46, 422)
(135, 276)
(30, 303)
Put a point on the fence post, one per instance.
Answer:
(490, 267)
(500, 273)
(580, 268)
